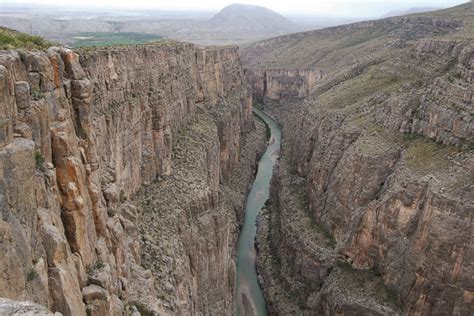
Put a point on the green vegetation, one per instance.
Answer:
(359, 89)
(94, 267)
(123, 197)
(303, 217)
(36, 94)
(39, 161)
(81, 133)
(109, 39)
(366, 283)
(10, 39)
(268, 132)
(115, 105)
(425, 155)
(32, 274)
(377, 142)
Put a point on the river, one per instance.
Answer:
(249, 296)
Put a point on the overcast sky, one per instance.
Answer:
(369, 8)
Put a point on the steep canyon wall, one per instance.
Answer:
(281, 84)
(80, 134)
(373, 199)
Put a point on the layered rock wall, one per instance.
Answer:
(440, 107)
(281, 84)
(389, 213)
(80, 135)
(371, 214)
(372, 207)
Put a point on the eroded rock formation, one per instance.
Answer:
(80, 134)
(282, 84)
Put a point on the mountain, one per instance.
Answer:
(235, 24)
(251, 18)
(409, 11)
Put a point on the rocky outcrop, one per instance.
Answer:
(441, 107)
(80, 134)
(400, 205)
(303, 270)
(371, 213)
(282, 84)
(11, 307)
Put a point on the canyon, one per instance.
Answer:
(372, 203)
(114, 167)
(125, 171)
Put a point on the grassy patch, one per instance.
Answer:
(110, 39)
(425, 155)
(10, 39)
(359, 89)
(368, 283)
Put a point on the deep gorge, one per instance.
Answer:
(125, 173)
(123, 168)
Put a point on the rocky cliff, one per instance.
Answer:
(373, 199)
(80, 135)
(282, 84)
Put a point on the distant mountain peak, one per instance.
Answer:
(252, 18)
(410, 11)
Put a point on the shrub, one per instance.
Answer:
(81, 133)
(39, 161)
(32, 274)
(123, 197)
(10, 39)
(36, 94)
(94, 267)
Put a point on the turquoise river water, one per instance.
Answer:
(249, 296)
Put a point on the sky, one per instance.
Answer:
(367, 8)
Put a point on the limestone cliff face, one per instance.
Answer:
(281, 84)
(79, 135)
(392, 215)
(373, 198)
(441, 108)
(395, 213)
